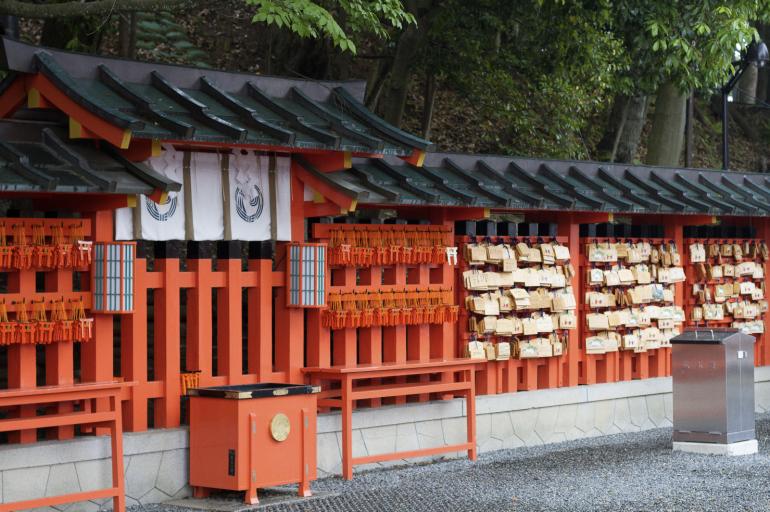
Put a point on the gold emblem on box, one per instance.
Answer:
(280, 427)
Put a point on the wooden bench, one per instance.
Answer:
(86, 395)
(457, 379)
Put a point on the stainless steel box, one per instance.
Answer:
(713, 374)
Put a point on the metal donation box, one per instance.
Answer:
(713, 374)
(253, 436)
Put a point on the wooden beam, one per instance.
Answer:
(74, 202)
(13, 97)
(665, 219)
(141, 149)
(451, 213)
(577, 217)
(417, 158)
(116, 136)
(332, 161)
(313, 209)
(332, 193)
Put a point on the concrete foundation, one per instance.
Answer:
(727, 450)
(156, 462)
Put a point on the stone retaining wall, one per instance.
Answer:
(156, 462)
(510, 420)
(155, 465)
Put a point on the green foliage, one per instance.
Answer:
(538, 72)
(310, 19)
(542, 71)
(689, 42)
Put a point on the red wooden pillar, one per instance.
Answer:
(290, 322)
(167, 358)
(260, 305)
(290, 338)
(529, 373)
(344, 341)
(59, 365)
(370, 338)
(587, 361)
(530, 367)
(133, 346)
(229, 312)
(571, 229)
(96, 356)
(677, 235)
(289, 333)
(626, 365)
(22, 360)
(485, 375)
(318, 341)
(199, 331)
(610, 373)
(660, 360)
(764, 346)
(418, 336)
(443, 337)
(394, 337)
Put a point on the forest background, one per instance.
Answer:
(609, 80)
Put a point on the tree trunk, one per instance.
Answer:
(127, 35)
(762, 85)
(763, 78)
(10, 25)
(606, 150)
(689, 141)
(78, 8)
(429, 102)
(393, 96)
(413, 38)
(628, 140)
(57, 34)
(747, 85)
(132, 40)
(376, 82)
(665, 143)
(268, 59)
(746, 126)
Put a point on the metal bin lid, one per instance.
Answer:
(709, 336)
(247, 391)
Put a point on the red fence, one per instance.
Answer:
(402, 339)
(253, 337)
(265, 361)
(50, 284)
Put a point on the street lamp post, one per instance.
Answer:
(756, 53)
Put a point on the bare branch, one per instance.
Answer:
(79, 8)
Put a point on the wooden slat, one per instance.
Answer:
(406, 389)
(54, 420)
(424, 452)
(167, 343)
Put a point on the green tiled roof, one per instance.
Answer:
(158, 101)
(500, 182)
(37, 157)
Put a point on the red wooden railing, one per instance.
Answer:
(23, 285)
(277, 341)
(228, 280)
(398, 343)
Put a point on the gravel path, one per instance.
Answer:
(626, 472)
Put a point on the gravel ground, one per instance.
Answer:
(626, 472)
